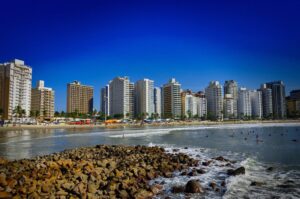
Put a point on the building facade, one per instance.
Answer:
(79, 98)
(267, 102)
(256, 104)
(214, 99)
(15, 88)
(278, 99)
(132, 101)
(229, 107)
(231, 88)
(244, 104)
(119, 99)
(171, 99)
(293, 104)
(105, 100)
(144, 95)
(42, 101)
(157, 101)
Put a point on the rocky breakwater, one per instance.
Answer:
(93, 172)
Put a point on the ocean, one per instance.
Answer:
(269, 152)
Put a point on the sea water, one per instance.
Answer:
(257, 147)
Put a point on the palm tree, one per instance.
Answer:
(19, 111)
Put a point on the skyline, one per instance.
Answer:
(195, 42)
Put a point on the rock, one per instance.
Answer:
(4, 194)
(207, 163)
(92, 188)
(34, 195)
(3, 161)
(178, 189)
(193, 186)
(3, 182)
(270, 168)
(175, 150)
(254, 183)
(156, 189)
(222, 159)
(238, 171)
(213, 185)
(123, 194)
(200, 171)
(192, 173)
(143, 194)
(46, 188)
(223, 184)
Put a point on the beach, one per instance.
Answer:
(120, 125)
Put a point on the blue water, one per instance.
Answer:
(254, 146)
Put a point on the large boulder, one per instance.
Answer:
(193, 186)
(238, 171)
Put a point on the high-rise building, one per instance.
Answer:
(15, 87)
(267, 103)
(42, 101)
(132, 101)
(229, 107)
(278, 99)
(105, 100)
(256, 104)
(244, 104)
(293, 104)
(214, 99)
(119, 97)
(79, 98)
(201, 105)
(144, 96)
(295, 94)
(188, 104)
(157, 101)
(231, 88)
(171, 99)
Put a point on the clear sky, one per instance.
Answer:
(194, 41)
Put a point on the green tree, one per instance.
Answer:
(1, 113)
(18, 111)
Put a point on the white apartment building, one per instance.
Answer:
(119, 96)
(15, 87)
(256, 104)
(144, 97)
(214, 99)
(191, 105)
(244, 103)
(157, 101)
(201, 107)
(230, 106)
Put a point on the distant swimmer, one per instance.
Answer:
(270, 134)
(294, 140)
(245, 139)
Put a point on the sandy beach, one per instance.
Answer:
(120, 125)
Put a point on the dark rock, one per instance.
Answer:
(178, 189)
(207, 163)
(238, 171)
(222, 159)
(223, 184)
(200, 171)
(254, 183)
(270, 168)
(193, 186)
(213, 185)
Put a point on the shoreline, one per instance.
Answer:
(170, 124)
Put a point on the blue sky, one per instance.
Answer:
(194, 41)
